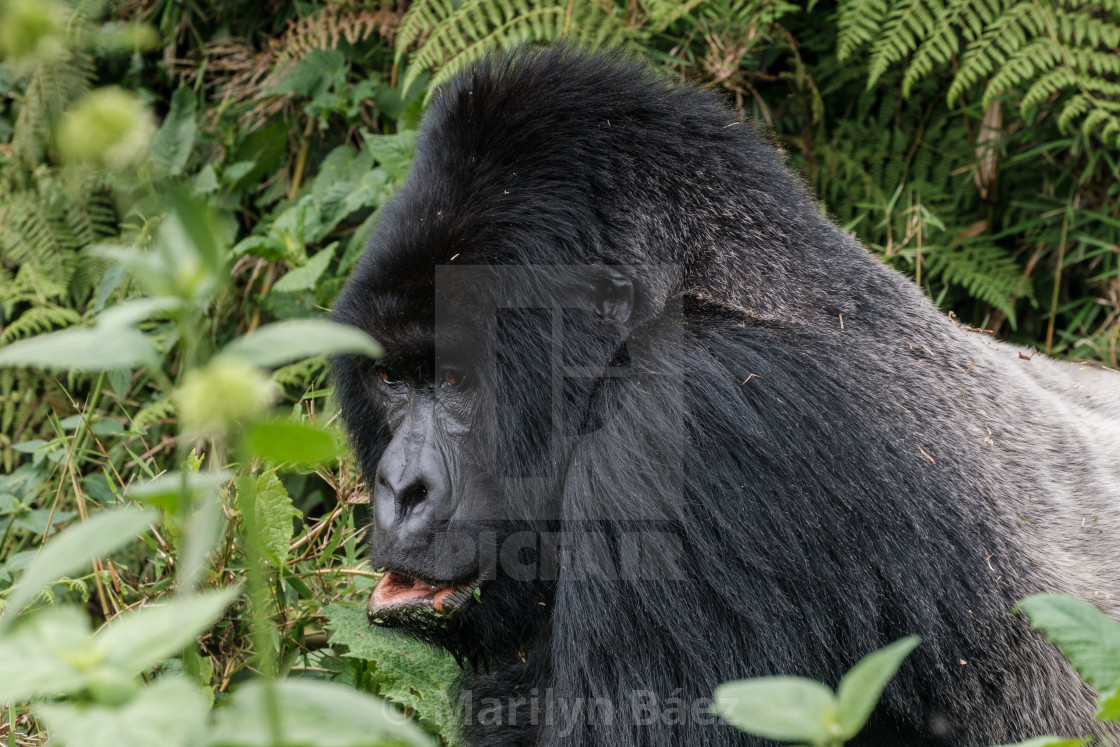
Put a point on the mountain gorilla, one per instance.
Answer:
(648, 422)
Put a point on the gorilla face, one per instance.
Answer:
(464, 430)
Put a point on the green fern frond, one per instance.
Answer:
(52, 88)
(963, 18)
(299, 375)
(986, 271)
(22, 406)
(153, 413)
(1042, 52)
(39, 319)
(909, 22)
(664, 13)
(459, 34)
(857, 24)
(46, 225)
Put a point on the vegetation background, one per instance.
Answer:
(974, 144)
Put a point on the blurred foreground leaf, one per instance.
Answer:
(787, 709)
(292, 442)
(313, 712)
(76, 548)
(282, 342)
(171, 713)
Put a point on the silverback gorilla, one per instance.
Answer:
(648, 422)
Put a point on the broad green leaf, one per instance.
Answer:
(282, 342)
(787, 709)
(393, 153)
(313, 74)
(140, 638)
(46, 653)
(201, 534)
(192, 243)
(1050, 742)
(410, 673)
(175, 140)
(167, 490)
(76, 548)
(188, 252)
(274, 514)
(314, 712)
(305, 277)
(1089, 638)
(1110, 706)
(860, 689)
(292, 442)
(99, 348)
(170, 713)
(131, 312)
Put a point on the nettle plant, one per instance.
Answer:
(805, 712)
(139, 680)
(86, 687)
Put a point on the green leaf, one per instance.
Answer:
(76, 548)
(409, 672)
(313, 712)
(188, 252)
(282, 342)
(1089, 638)
(313, 74)
(1110, 706)
(175, 140)
(100, 348)
(787, 709)
(860, 689)
(201, 534)
(305, 277)
(141, 638)
(393, 153)
(171, 713)
(130, 312)
(274, 514)
(167, 490)
(292, 442)
(46, 653)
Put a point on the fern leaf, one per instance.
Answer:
(153, 413)
(461, 35)
(965, 19)
(986, 271)
(1003, 38)
(39, 319)
(857, 23)
(908, 23)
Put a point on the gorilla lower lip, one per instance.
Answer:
(398, 590)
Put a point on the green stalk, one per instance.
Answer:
(258, 597)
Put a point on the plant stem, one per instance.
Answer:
(258, 597)
(1057, 281)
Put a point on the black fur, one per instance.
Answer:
(840, 464)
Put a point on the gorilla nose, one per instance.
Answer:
(412, 489)
(405, 493)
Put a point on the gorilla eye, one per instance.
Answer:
(386, 376)
(452, 376)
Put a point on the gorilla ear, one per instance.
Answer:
(614, 295)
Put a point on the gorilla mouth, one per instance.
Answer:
(399, 596)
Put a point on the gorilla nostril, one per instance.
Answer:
(413, 495)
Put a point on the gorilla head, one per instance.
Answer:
(647, 422)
